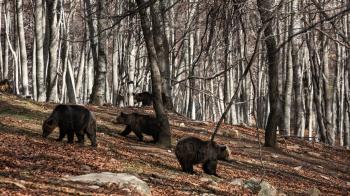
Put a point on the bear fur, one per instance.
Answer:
(190, 151)
(119, 100)
(6, 86)
(146, 99)
(71, 119)
(139, 124)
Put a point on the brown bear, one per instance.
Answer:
(71, 119)
(139, 123)
(190, 151)
(145, 98)
(119, 100)
(6, 86)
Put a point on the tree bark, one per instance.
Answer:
(299, 126)
(162, 48)
(131, 70)
(34, 86)
(317, 86)
(327, 91)
(79, 81)
(266, 14)
(93, 45)
(115, 68)
(39, 34)
(51, 79)
(22, 45)
(165, 134)
(1, 51)
(99, 88)
(6, 47)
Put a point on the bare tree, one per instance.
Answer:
(266, 10)
(98, 90)
(162, 48)
(165, 135)
(22, 45)
(51, 80)
(297, 73)
(39, 38)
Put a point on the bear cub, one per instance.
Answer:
(71, 119)
(139, 123)
(190, 151)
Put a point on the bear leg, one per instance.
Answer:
(126, 131)
(209, 167)
(61, 136)
(186, 167)
(70, 137)
(80, 137)
(139, 135)
(155, 138)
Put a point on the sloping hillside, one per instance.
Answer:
(32, 165)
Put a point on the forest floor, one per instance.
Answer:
(32, 165)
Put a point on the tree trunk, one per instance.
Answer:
(80, 75)
(226, 74)
(93, 44)
(299, 126)
(51, 79)
(39, 34)
(327, 96)
(317, 86)
(266, 13)
(346, 139)
(162, 48)
(165, 134)
(71, 93)
(287, 96)
(131, 70)
(22, 45)
(1, 52)
(115, 68)
(68, 75)
(34, 86)
(99, 89)
(13, 49)
(309, 94)
(6, 47)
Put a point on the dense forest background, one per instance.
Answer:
(283, 65)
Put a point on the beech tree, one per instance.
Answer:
(51, 80)
(266, 10)
(98, 90)
(165, 135)
(23, 49)
(39, 39)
